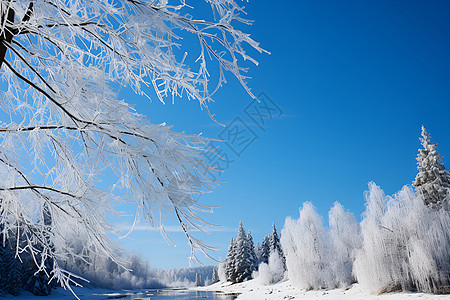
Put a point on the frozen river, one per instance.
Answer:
(151, 294)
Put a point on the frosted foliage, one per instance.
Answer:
(305, 245)
(221, 271)
(345, 237)
(319, 258)
(273, 271)
(406, 245)
(62, 64)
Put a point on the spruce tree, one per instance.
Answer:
(258, 251)
(198, 280)
(230, 262)
(265, 249)
(275, 245)
(244, 265)
(215, 276)
(251, 250)
(14, 277)
(432, 180)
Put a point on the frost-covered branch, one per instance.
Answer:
(64, 129)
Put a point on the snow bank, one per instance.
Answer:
(253, 290)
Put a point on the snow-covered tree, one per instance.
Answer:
(344, 239)
(265, 250)
(215, 276)
(275, 244)
(273, 271)
(14, 277)
(198, 280)
(271, 243)
(272, 265)
(432, 180)
(405, 244)
(62, 64)
(316, 257)
(241, 259)
(306, 246)
(245, 258)
(252, 251)
(230, 262)
(258, 251)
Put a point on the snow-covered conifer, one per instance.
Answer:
(215, 275)
(258, 251)
(230, 262)
(14, 277)
(198, 280)
(251, 250)
(244, 258)
(265, 249)
(275, 244)
(432, 180)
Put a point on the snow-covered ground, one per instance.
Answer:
(255, 291)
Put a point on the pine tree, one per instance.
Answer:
(14, 277)
(215, 276)
(252, 252)
(275, 245)
(198, 280)
(38, 282)
(265, 250)
(230, 262)
(258, 250)
(244, 265)
(432, 180)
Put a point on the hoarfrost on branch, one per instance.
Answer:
(63, 126)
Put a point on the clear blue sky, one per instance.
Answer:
(355, 81)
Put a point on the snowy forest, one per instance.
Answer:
(401, 244)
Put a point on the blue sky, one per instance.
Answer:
(354, 80)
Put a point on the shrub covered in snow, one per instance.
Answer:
(273, 271)
(221, 271)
